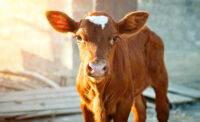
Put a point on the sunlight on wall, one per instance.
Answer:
(27, 42)
(21, 22)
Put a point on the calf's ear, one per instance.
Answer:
(132, 22)
(61, 22)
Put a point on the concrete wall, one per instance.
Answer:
(177, 22)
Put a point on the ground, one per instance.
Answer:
(182, 113)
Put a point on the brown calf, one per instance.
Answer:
(118, 61)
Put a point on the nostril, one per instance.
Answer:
(89, 68)
(104, 68)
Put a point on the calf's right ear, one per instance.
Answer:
(61, 22)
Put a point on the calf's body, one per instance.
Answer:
(137, 64)
(110, 90)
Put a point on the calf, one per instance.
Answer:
(118, 61)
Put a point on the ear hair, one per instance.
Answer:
(133, 22)
(61, 22)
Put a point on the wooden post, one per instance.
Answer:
(81, 7)
(116, 8)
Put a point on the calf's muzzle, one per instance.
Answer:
(97, 68)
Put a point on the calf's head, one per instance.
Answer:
(97, 35)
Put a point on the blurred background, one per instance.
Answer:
(30, 49)
(27, 42)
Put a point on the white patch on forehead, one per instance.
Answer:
(99, 20)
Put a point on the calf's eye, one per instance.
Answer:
(114, 39)
(78, 38)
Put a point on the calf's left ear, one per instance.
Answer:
(132, 22)
(61, 22)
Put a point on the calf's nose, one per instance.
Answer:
(97, 69)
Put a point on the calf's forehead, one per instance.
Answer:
(98, 20)
(98, 24)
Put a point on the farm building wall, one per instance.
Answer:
(177, 22)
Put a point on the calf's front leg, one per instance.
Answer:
(139, 108)
(123, 110)
(88, 116)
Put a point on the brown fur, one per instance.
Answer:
(135, 62)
